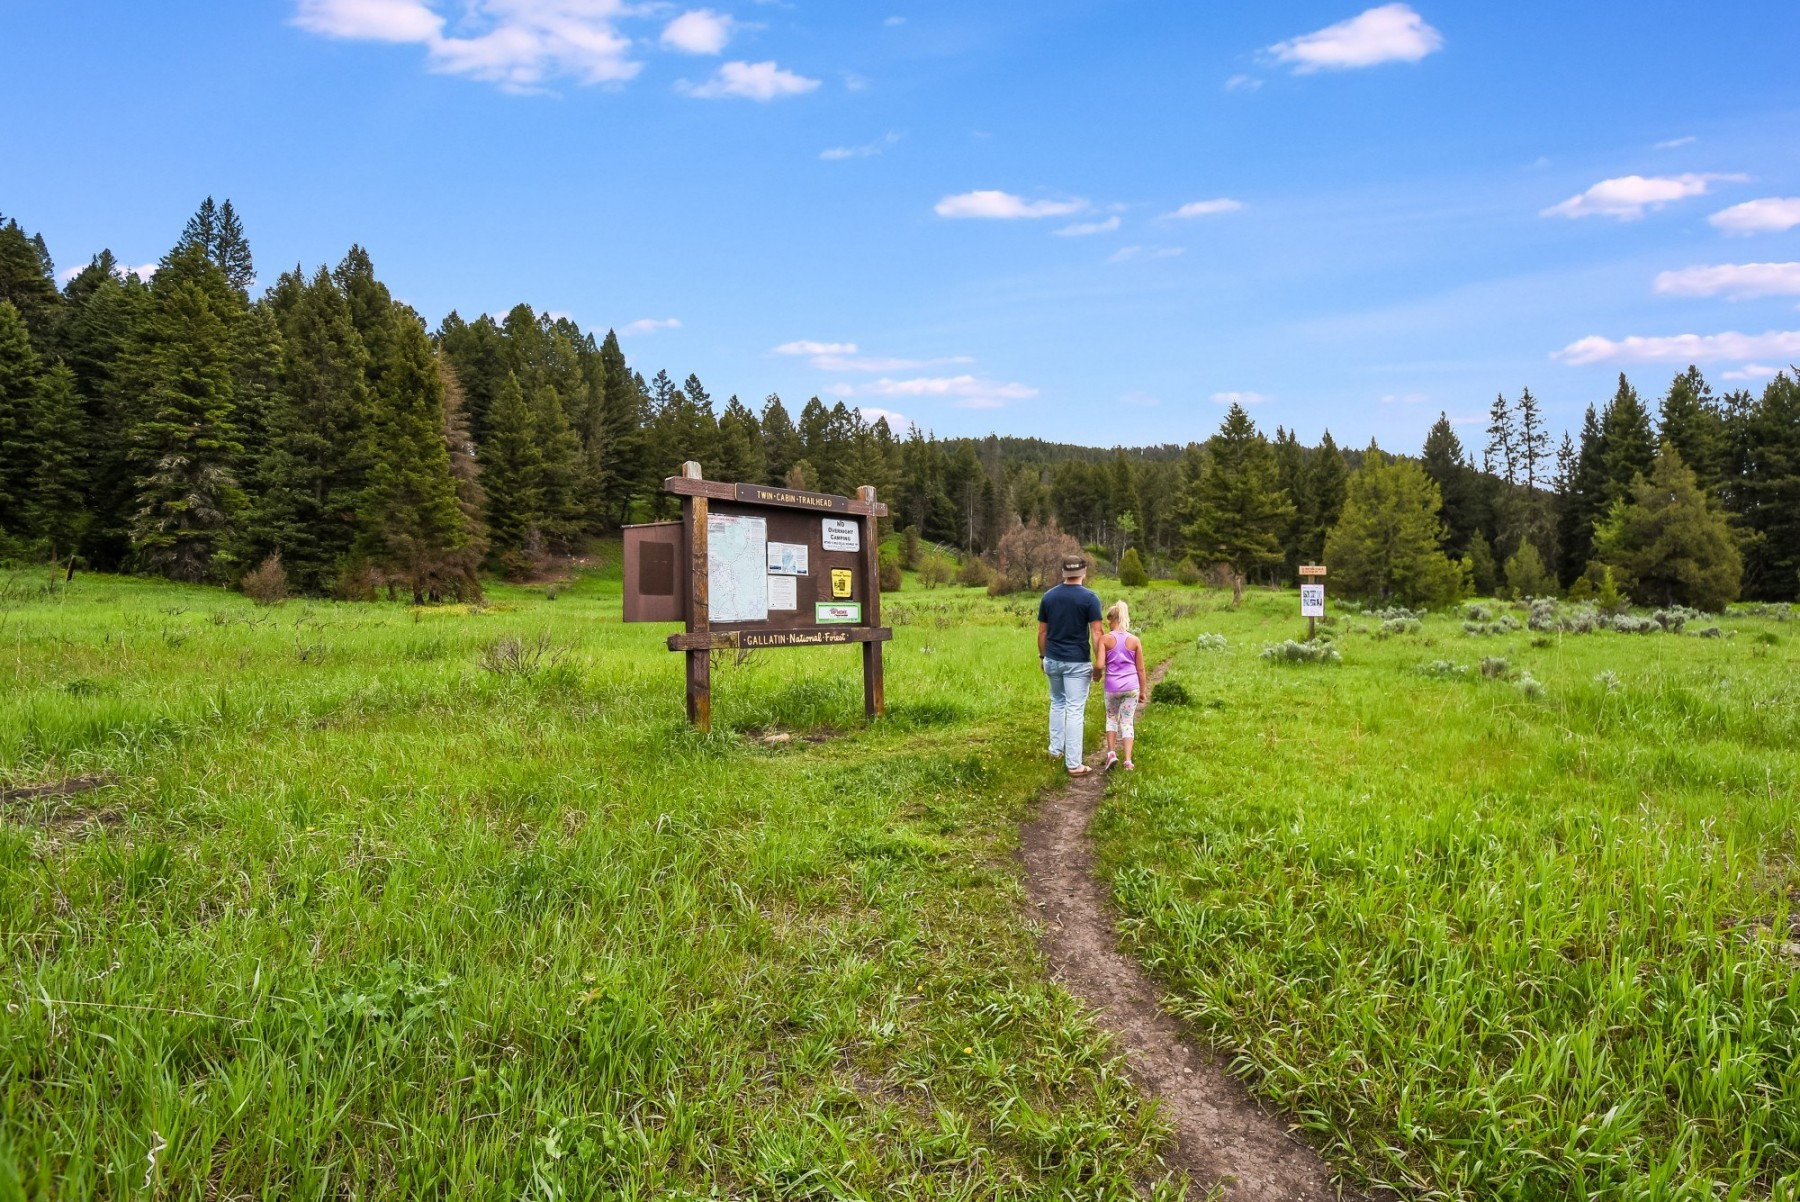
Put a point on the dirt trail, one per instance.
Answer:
(1223, 1136)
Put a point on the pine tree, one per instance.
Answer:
(184, 444)
(511, 473)
(781, 442)
(559, 468)
(621, 432)
(413, 527)
(1533, 441)
(462, 568)
(1447, 464)
(1693, 423)
(1770, 489)
(202, 230)
(1669, 543)
(1484, 573)
(1629, 443)
(28, 282)
(231, 250)
(1291, 476)
(1327, 485)
(1583, 502)
(1238, 506)
(1388, 546)
(1526, 576)
(320, 441)
(478, 353)
(19, 367)
(1502, 455)
(56, 505)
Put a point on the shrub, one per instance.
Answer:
(515, 656)
(1526, 575)
(1529, 686)
(1210, 642)
(889, 576)
(1170, 692)
(355, 581)
(1609, 681)
(1031, 558)
(1478, 613)
(1393, 613)
(1393, 626)
(1495, 667)
(1504, 624)
(936, 569)
(1291, 652)
(975, 573)
(1188, 572)
(268, 584)
(1630, 624)
(1441, 669)
(1131, 570)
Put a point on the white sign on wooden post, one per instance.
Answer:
(841, 534)
(1312, 600)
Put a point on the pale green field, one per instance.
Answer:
(1490, 943)
(361, 917)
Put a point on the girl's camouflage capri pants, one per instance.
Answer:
(1121, 714)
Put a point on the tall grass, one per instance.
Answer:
(1489, 942)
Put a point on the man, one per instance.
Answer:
(1069, 651)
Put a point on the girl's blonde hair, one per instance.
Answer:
(1119, 614)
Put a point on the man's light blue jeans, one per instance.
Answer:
(1069, 687)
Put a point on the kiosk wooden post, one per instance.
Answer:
(874, 702)
(1312, 597)
(699, 658)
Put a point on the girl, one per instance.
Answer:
(1127, 682)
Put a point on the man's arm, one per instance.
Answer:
(1043, 637)
(1097, 632)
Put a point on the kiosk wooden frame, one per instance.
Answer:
(851, 614)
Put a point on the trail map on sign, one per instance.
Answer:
(737, 567)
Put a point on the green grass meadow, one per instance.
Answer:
(1488, 938)
(450, 902)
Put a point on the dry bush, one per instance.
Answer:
(1031, 558)
(936, 569)
(267, 584)
(975, 573)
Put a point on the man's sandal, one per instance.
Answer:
(1080, 770)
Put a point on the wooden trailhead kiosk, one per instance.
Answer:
(751, 566)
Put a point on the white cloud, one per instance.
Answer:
(1004, 206)
(1206, 208)
(806, 346)
(701, 31)
(1750, 371)
(967, 391)
(1683, 348)
(1083, 228)
(867, 149)
(1390, 33)
(1627, 197)
(1127, 253)
(143, 271)
(1769, 215)
(69, 273)
(1672, 143)
(1239, 398)
(1740, 281)
(1405, 398)
(872, 363)
(893, 21)
(751, 81)
(518, 44)
(650, 325)
(897, 422)
(1243, 83)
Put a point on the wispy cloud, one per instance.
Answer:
(1739, 281)
(750, 81)
(1004, 206)
(1388, 34)
(518, 44)
(1243, 83)
(806, 346)
(1730, 347)
(866, 150)
(1405, 398)
(650, 325)
(701, 31)
(1750, 371)
(1672, 143)
(965, 391)
(1205, 208)
(1081, 229)
(1769, 215)
(1628, 197)
(897, 422)
(1126, 254)
(1239, 398)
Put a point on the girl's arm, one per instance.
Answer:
(1143, 673)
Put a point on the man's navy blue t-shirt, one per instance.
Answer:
(1066, 610)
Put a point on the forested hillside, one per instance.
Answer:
(176, 425)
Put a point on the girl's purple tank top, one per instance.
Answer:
(1121, 665)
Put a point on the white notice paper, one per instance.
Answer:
(783, 593)
(1312, 600)
(842, 534)
(787, 559)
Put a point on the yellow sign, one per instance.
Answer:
(840, 583)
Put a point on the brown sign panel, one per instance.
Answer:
(1312, 569)
(656, 575)
(768, 494)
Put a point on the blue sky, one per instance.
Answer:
(972, 215)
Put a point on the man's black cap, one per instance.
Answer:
(1074, 565)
